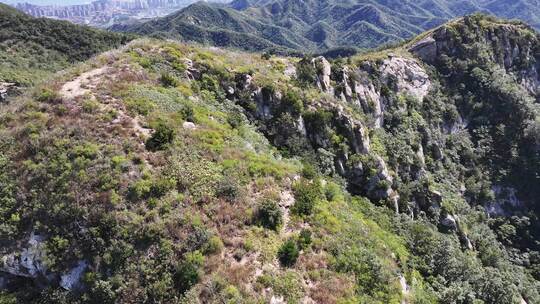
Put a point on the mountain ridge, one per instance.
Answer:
(189, 174)
(33, 48)
(359, 23)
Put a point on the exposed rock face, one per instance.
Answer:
(403, 75)
(277, 300)
(452, 223)
(265, 101)
(449, 221)
(370, 100)
(189, 125)
(514, 55)
(6, 89)
(191, 71)
(410, 77)
(505, 203)
(383, 175)
(29, 261)
(357, 134)
(436, 197)
(324, 71)
(244, 81)
(425, 48)
(290, 71)
(405, 288)
(72, 279)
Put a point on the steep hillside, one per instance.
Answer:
(33, 48)
(169, 173)
(220, 26)
(317, 25)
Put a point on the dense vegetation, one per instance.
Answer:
(318, 25)
(33, 48)
(169, 173)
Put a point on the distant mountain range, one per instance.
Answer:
(102, 13)
(314, 25)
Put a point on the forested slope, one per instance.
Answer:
(319, 25)
(33, 48)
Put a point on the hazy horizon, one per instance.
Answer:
(47, 2)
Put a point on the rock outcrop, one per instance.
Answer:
(516, 56)
(449, 221)
(71, 279)
(6, 89)
(29, 262)
(410, 78)
(324, 70)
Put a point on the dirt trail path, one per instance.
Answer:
(79, 86)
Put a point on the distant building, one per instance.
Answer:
(102, 12)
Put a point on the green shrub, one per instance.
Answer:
(318, 120)
(306, 195)
(309, 171)
(168, 80)
(139, 106)
(146, 188)
(7, 298)
(306, 72)
(235, 120)
(332, 191)
(269, 214)
(292, 102)
(210, 83)
(162, 136)
(102, 292)
(214, 245)
(188, 113)
(187, 273)
(304, 239)
(48, 96)
(228, 188)
(288, 253)
(90, 106)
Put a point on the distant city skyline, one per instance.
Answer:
(48, 2)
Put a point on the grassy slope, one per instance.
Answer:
(197, 196)
(31, 48)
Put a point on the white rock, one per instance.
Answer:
(370, 100)
(72, 279)
(28, 262)
(425, 48)
(189, 125)
(277, 300)
(449, 221)
(324, 70)
(403, 283)
(5, 88)
(290, 70)
(412, 79)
